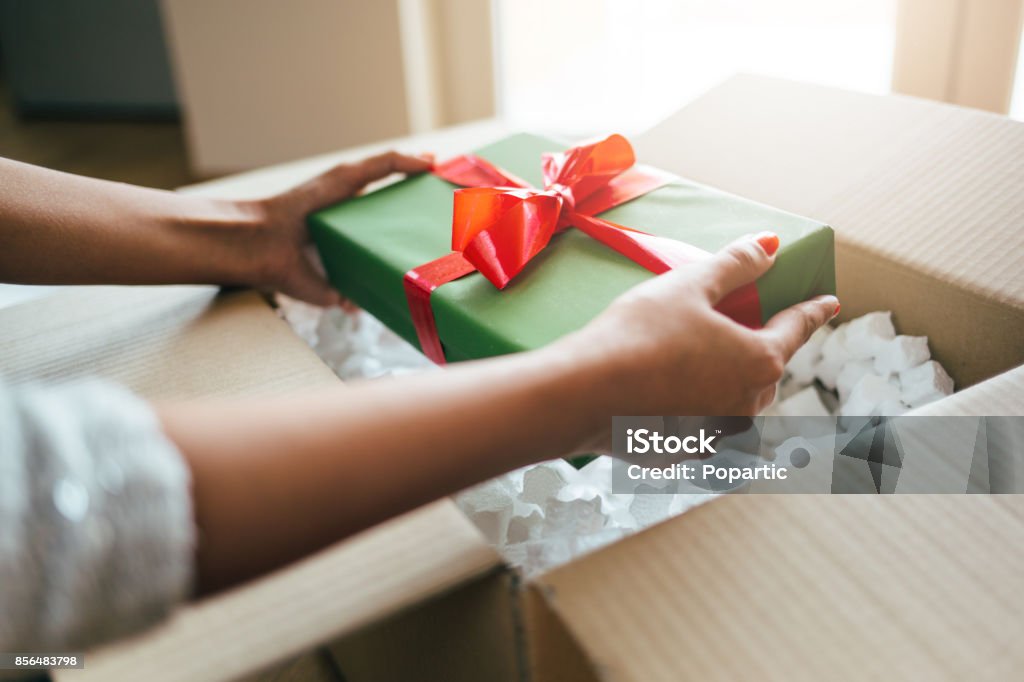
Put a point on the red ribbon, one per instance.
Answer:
(500, 223)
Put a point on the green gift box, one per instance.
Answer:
(368, 244)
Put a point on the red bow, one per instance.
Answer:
(500, 222)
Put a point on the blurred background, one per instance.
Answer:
(166, 92)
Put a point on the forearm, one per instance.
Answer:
(277, 479)
(57, 228)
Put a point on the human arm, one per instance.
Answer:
(58, 228)
(96, 532)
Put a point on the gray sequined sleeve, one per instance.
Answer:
(96, 532)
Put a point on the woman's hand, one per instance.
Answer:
(662, 348)
(281, 263)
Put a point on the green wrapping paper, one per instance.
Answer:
(368, 244)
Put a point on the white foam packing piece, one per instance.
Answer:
(357, 345)
(866, 335)
(493, 523)
(789, 415)
(892, 408)
(851, 373)
(834, 347)
(925, 383)
(869, 395)
(805, 403)
(536, 556)
(573, 516)
(541, 483)
(801, 365)
(901, 353)
(490, 506)
(524, 528)
(833, 356)
(650, 506)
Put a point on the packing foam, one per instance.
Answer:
(861, 368)
(548, 514)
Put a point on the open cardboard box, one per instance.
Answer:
(927, 204)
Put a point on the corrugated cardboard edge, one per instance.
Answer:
(911, 587)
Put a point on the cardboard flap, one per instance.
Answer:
(925, 199)
(161, 342)
(806, 588)
(357, 582)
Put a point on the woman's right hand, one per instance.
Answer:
(662, 348)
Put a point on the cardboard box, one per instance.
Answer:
(926, 203)
(775, 587)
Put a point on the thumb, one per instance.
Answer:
(739, 263)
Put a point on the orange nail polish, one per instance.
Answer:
(836, 312)
(769, 241)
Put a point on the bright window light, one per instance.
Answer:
(580, 67)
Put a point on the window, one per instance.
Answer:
(581, 67)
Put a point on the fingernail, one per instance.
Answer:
(769, 241)
(836, 311)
